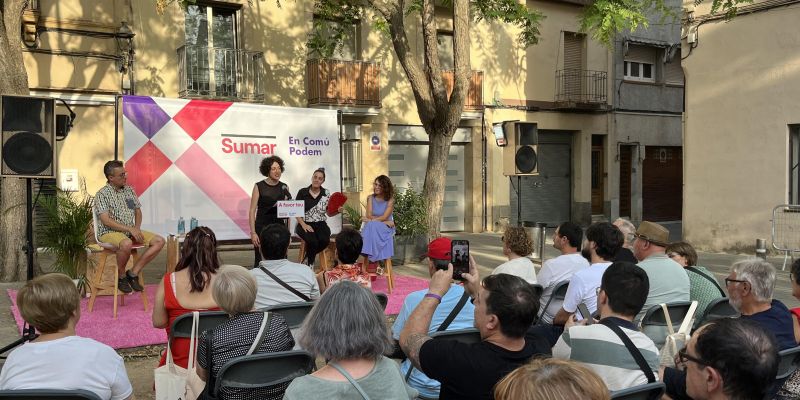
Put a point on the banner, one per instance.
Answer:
(200, 158)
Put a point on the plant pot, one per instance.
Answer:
(409, 249)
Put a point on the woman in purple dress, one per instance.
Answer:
(378, 228)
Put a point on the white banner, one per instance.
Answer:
(199, 158)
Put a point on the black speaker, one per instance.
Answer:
(520, 156)
(28, 134)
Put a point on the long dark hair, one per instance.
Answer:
(199, 254)
(387, 189)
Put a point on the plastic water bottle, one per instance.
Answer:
(181, 226)
(192, 223)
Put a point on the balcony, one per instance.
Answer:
(474, 100)
(343, 83)
(220, 73)
(581, 89)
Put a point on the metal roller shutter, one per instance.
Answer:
(662, 183)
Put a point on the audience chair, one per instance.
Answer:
(325, 262)
(468, 335)
(559, 293)
(654, 323)
(789, 360)
(182, 326)
(647, 391)
(96, 283)
(261, 370)
(383, 299)
(293, 313)
(717, 309)
(48, 394)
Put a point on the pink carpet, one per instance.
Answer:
(132, 328)
(403, 285)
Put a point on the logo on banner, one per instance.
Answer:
(375, 142)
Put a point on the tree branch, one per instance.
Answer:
(461, 61)
(433, 68)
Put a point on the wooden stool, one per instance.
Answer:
(324, 261)
(387, 271)
(96, 283)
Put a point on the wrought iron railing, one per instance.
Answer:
(343, 83)
(474, 100)
(581, 86)
(220, 73)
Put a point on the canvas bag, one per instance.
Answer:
(173, 382)
(675, 341)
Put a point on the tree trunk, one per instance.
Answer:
(434, 186)
(13, 80)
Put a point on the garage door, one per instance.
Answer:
(662, 183)
(547, 197)
(407, 165)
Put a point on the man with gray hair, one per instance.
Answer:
(626, 252)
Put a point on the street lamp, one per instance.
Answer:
(124, 38)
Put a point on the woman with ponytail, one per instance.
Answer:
(188, 288)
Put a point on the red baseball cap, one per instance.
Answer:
(439, 249)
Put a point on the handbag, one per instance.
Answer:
(175, 382)
(675, 340)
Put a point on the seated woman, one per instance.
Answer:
(313, 228)
(378, 226)
(234, 289)
(517, 245)
(58, 359)
(703, 286)
(348, 247)
(551, 379)
(188, 288)
(355, 354)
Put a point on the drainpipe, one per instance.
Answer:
(484, 171)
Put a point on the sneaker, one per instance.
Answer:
(134, 282)
(123, 285)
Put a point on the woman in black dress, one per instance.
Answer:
(313, 229)
(264, 201)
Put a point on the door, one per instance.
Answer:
(574, 61)
(625, 170)
(546, 197)
(407, 165)
(211, 50)
(662, 183)
(598, 174)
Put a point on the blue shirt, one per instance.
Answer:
(428, 387)
(777, 320)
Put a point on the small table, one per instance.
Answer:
(173, 250)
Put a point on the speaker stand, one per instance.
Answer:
(28, 332)
(519, 201)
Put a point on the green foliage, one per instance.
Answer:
(352, 215)
(333, 23)
(510, 12)
(410, 212)
(65, 233)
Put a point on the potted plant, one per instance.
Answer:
(65, 233)
(410, 211)
(352, 215)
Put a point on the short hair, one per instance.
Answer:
(266, 164)
(348, 245)
(199, 255)
(796, 271)
(518, 240)
(275, 240)
(108, 169)
(608, 239)
(627, 228)
(744, 354)
(346, 307)
(626, 285)
(47, 302)
(686, 250)
(387, 188)
(760, 274)
(551, 379)
(234, 289)
(572, 232)
(514, 302)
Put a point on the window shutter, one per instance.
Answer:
(573, 50)
(641, 54)
(673, 73)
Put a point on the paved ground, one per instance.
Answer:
(485, 247)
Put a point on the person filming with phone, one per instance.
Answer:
(455, 312)
(505, 306)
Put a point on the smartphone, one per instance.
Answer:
(459, 257)
(586, 314)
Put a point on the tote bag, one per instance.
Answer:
(173, 382)
(675, 340)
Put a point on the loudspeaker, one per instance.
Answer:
(520, 156)
(28, 128)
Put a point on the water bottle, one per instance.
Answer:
(192, 223)
(181, 226)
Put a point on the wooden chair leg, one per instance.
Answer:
(324, 264)
(143, 293)
(96, 283)
(389, 275)
(116, 288)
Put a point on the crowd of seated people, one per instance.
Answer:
(571, 356)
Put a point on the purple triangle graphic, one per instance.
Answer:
(143, 112)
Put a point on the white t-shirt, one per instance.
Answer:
(557, 270)
(583, 288)
(72, 362)
(521, 267)
(298, 276)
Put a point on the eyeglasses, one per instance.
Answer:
(729, 280)
(683, 357)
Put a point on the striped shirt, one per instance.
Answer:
(121, 206)
(601, 350)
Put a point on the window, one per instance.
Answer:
(320, 40)
(211, 43)
(794, 164)
(673, 73)
(444, 41)
(351, 159)
(640, 63)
